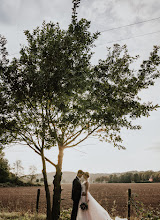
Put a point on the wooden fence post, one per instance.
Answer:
(129, 204)
(37, 203)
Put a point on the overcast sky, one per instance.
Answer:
(143, 146)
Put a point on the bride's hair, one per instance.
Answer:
(86, 174)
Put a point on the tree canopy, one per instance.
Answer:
(54, 93)
(4, 169)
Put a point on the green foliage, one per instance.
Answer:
(4, 169)
(143, 212)
(5, 108)
(3, 53)
(21, 216)
(102, 179)
(65, 214)
(47, 83)
(42, 179)
(7, 178)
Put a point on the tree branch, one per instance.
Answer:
(44, 157)
(77, 134)
(39, 153)
(48, 115)
(26, 139)
(83, 138)
(74, 135)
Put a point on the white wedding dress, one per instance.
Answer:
(94, 212)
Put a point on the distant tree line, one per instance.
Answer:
(9, 178)
(129, 177)
(6, 176)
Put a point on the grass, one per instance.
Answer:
(65, 215)
(21, 216)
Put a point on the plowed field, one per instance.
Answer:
(113, 197)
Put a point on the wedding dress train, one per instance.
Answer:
(95, 211)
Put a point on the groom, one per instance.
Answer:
(76, 194)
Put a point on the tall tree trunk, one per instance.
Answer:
(48, 199)
(57, 187)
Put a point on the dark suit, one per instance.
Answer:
(76, 195)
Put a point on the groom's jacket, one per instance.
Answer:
(76, 190)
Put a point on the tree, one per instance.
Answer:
(5, 175)
(57, 98)
(157, 177)
(18, 168)
(6, 106)
(148, 174)
(4, 169)
(136, 178)
(115, 178)
(111, 178)
(128, 177)
(102, 179)
(42, 180)
(32, 171)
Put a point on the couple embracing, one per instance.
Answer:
(85, 207)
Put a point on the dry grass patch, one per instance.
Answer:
(21, 216)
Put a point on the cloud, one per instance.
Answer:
(19, 12)
(114, 13)
(154, 148)
(8, 11)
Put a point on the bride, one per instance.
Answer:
(89, 208)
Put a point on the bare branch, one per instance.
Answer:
(49, 119)
(74, 135)
(77, 135)
(26, 139)
(83, 138)
(44, 157)
(39, 152)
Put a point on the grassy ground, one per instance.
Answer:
(65, 215)
(21, 216)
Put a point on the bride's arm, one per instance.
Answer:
(87, 188)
